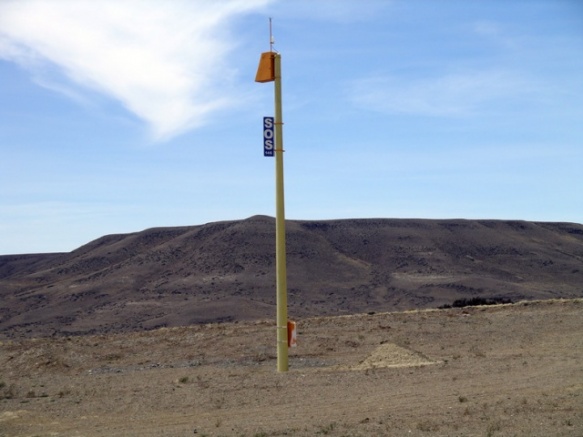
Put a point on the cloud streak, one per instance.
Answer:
(165, 61)
(450, 95)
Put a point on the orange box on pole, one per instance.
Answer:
(266, 69)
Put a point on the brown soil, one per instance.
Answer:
(509, 370)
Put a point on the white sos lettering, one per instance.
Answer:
(268, 134)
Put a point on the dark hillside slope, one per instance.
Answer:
(226, 271)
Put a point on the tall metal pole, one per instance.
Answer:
(280, 261)
(269, 70)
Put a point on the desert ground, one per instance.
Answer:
(504, 370)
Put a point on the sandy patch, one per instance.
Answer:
(391, 355)
(10, 415)
(422, 277)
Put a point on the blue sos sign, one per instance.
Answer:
(268, 136)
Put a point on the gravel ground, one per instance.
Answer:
(506, 370)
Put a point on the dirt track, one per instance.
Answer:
(480, 371)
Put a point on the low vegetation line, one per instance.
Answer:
(477, 301)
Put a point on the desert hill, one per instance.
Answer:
(225, 271)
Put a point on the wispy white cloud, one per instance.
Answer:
(165, 61)
(457, 94)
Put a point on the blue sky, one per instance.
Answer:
(121, 115)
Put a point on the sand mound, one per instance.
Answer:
(391, 355)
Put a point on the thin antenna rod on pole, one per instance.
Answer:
(271, 40)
